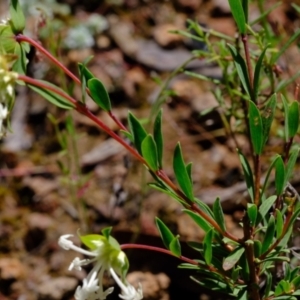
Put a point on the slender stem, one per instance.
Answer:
(22, 38)
(249, 251)
(183, 258)
(248, 62)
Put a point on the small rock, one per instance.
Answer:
(36, 235)
(102, 152)
(154, 286)
(220, 8)
(189, 4)
(56, 288)
(164, 37)
(11, 269)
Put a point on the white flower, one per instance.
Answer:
(3, 116)
(107, 256)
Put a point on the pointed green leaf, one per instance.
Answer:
(290, 164)
(252, 212)
(207, 246)
(157, 133)
(181, 173)
(84, 71)
(265, 207)
(241, 67)
(269, 172)
(293, 118)
(20, 64)
(106, 232)
(52, 97)
(17, 17)
(204, 207)
(286, 117)
(202, 223)
(175, 247)
(257, 248)
(248, 174)
(165, 233)
(85, 76)
(269, 236)
(232, 258)
(256, 128)
(218, 213)
(149, 152)
(238, 14)
(257, 72)
(245, 5)
(279, 176)
(137, 130)
(189, 170)
(99, 94)
(269, 281)
(267, 117)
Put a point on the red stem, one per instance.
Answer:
(157, 249)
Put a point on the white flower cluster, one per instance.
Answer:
(105, 261)
(7, 94)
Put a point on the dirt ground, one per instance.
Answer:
(47, 191)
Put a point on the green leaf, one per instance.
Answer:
(241, 67)
(181, 173)
(256, 128)
(248, 174)
(106, 232)
(165, 233)
(267, 117)
(85, 76)
(269, 280)
(218, 213)
(158, 137)
(269, 172)
(296, 282)
(20, 64)
(269, 236)
(52, 97)
(202, 223)
(245, 5)
(285, 46)
(252, 212)
(279, 223)
(290, 164)
(265, 207)
(17, 17)
(99, 94)
(257, 72)
(7, 40)
(283, 287)
(175, 247)
(207, 246)
(293, 119)
(238, 14)
(189, 170)
(279, 176)
(257, 248)
(286, 117)
(84, 71)
(232, 258)
(204, 207)
(137, 130)
(149, 152)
